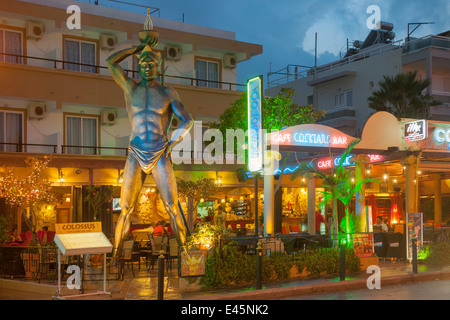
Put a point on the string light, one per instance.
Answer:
(30, 189)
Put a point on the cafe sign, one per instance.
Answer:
(255, 136)
(311, 135)
(415, 130)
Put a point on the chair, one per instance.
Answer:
(50, 236)
(139, 236)
(159, 245)
(173, 252)
(136, 253)
(146, 251)
(127, 254)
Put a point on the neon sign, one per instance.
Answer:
(442, 135)
(255, 139)
(327, 163)
(308, 139)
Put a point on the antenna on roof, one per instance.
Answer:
(418, 24)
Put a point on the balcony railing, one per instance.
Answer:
(62, 64)
(428, 41)
(289, 77)
(65, 149)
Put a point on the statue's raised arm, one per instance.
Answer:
(119, 75)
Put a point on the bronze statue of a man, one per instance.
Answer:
(150, 107)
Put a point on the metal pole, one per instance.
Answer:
(342, 264)
(414, 254)
(256, 208)
(259, 267)
(104, 272)
(59, 274)
(161, 276)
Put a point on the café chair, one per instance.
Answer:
(159, 245)
(173, 252)
(127, 254)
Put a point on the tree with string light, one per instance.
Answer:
(28, 191)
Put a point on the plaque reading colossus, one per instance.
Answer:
(150, 107)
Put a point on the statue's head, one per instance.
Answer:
(149, 64)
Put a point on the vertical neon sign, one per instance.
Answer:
(255, 138)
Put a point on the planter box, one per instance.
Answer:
(368, 261)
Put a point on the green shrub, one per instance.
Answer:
(437, 253)
(235, 267)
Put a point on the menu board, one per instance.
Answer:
(82, 243)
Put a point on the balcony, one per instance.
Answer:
(342, 118)
(425, 42)
(49, 80)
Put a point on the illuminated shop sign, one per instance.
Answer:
(255, 138)
(416, 130)
(302, 138)
(327, 163)
(442, 135)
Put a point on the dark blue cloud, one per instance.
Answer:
(286, 28)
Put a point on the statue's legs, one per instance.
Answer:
(165, 181)
(133, 179)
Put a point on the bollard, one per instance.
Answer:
(342, 262)
(161, 276)
(259, 267)
(414, 254)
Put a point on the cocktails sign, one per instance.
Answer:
(311, 135)
(255, 136)
(416, 130)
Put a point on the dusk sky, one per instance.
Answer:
(286, 28)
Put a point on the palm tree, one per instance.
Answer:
(403, 96)
(338, 186)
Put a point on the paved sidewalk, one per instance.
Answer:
(144, 286)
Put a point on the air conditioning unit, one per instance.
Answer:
(108, 117)
(36, 110)
(34, 30)
(230, 61)
(107, 42)
(173, 53)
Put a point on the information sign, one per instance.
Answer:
(414, 229)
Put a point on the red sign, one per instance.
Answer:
(363, 244)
